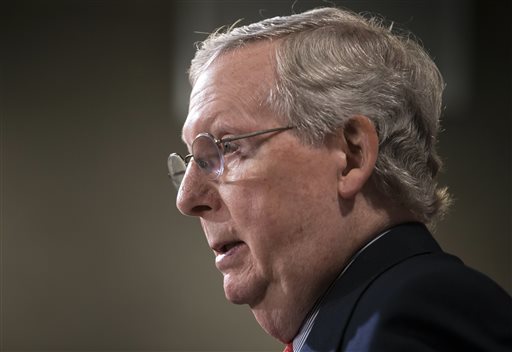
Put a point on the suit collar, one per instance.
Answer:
(401, 242)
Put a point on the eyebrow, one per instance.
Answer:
(215, 123)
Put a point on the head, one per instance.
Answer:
(293, 206)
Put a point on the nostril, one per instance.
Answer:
(200, 209)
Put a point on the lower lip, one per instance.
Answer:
(230, 258)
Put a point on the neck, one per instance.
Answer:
(282, 318)
(284, 308)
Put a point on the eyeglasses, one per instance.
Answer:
(208, 153)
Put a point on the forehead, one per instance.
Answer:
(232, 90)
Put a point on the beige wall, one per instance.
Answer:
(94, 255)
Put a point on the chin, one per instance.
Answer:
(234, 298)
(235, 294)
(242, 291)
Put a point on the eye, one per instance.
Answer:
(187, 159)
(229, 147)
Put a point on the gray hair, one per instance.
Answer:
(331, 65)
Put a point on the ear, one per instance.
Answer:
(361, 146)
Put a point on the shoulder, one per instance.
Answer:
(435, 276)
(432, 301)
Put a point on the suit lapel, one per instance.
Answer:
(401, 242)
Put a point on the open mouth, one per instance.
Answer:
(226, 248)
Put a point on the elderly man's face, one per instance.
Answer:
(273, 218)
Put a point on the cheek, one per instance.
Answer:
(283, 197)
(262, 217)
(282, 212)
(259, 209)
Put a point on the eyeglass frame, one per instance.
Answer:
(218, 143)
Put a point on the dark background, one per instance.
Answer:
(95, 256)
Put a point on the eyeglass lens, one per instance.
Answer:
(207, 155)
(177, 168)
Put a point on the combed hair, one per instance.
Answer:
(331, 65)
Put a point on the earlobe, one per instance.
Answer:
(361, 144)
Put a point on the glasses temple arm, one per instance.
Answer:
(252, 134)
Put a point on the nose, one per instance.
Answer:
(196, 196)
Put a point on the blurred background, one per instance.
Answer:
(94, 254)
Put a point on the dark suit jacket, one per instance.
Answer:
(403, 293)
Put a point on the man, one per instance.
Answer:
(312, 169)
